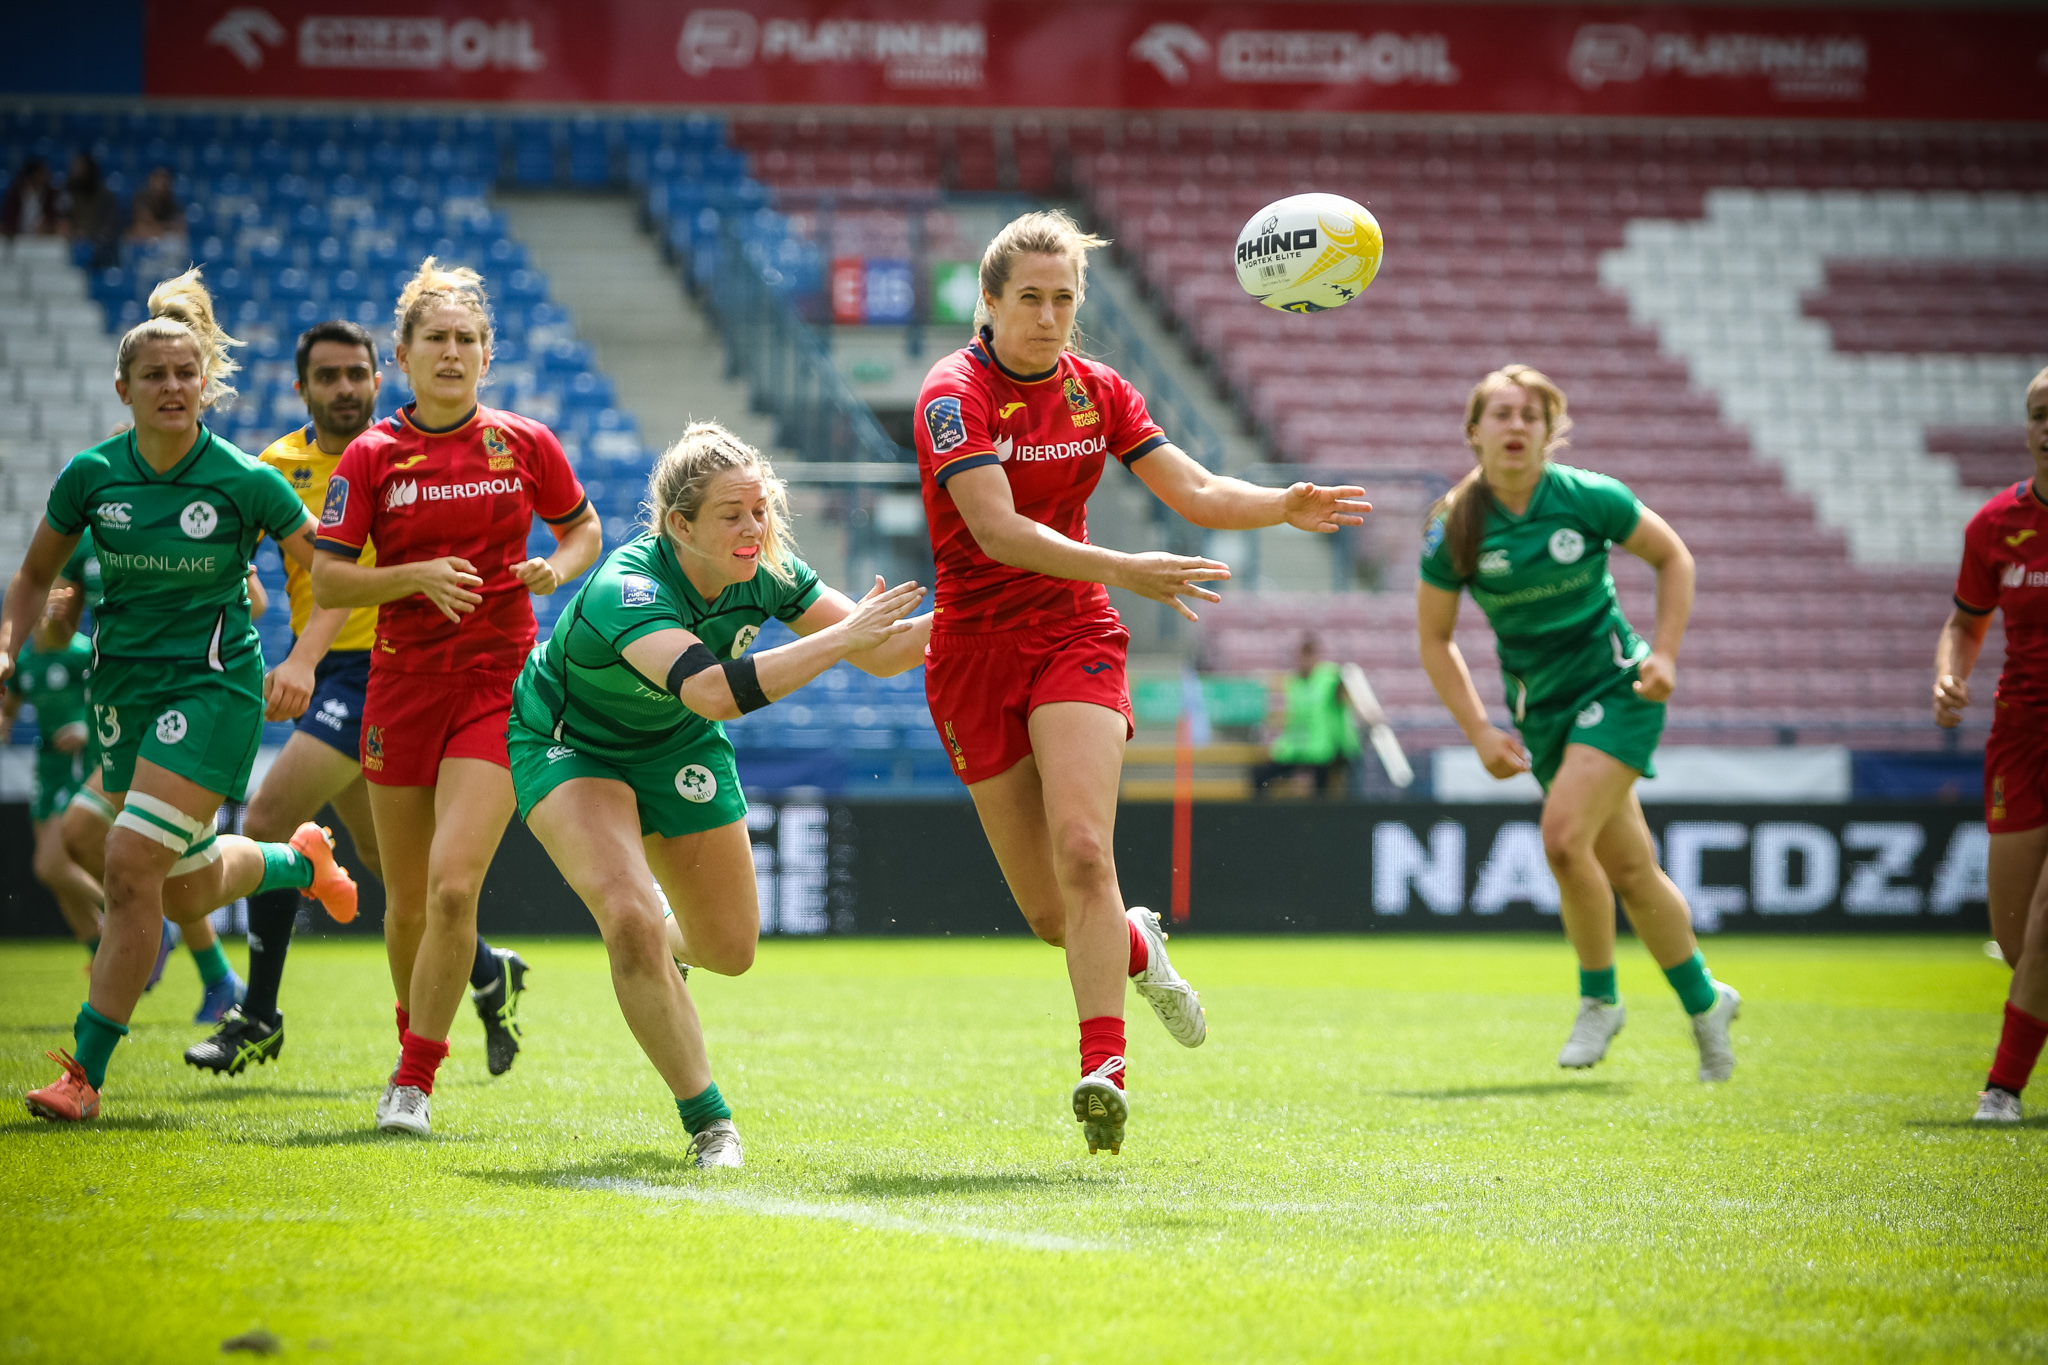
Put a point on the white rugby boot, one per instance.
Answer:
(717, 1145)
(1101, 1108)
(1997, 1106)
(390, 1091)
(1710, 1031)
(410, 1111)
(1178, 1005)
(1592, 1031)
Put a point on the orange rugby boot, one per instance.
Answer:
(68, 1099)
(332, 886)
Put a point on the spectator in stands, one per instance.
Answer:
(92, 213)
(29, 207)
(1318, 740)
(157, 214)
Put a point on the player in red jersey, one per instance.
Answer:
(2005, 568)
(1025, 670)
(448, 489)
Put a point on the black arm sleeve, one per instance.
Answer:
(745, 685)
(688, 664)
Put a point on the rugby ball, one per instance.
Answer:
(1308, 253)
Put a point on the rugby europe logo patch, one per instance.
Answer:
(337, 502)
(947, 428)
(636, 591)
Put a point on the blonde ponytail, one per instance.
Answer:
(180, 309)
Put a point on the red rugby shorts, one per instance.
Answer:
(982, 688)
(2016, 770)
(411, 721)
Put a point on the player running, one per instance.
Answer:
(448, 490)
(321, 685)
(177, 679)
(1529, 538)
(617, 751)
(49, 674)
(2005, 568)
(1025, 671)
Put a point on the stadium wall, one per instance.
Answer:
(923, 868)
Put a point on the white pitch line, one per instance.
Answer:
(861, 1215)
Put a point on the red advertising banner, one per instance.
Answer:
(1481, 59)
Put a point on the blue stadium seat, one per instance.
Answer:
(229, 285)
(533, 151)
(271, 158)
(329, 254)
(590, 152)
(566, 358)
(327, 159)
(526, 285)
(347, 286)
(385, 161)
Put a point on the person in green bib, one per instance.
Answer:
(49, 675)
(1528, 538)
(619, 761)
(1318, 740)
(177, 670)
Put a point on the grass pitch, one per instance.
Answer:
(1373, 1157)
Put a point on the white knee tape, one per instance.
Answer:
(130, 819)
(200, 855)
(94, 802)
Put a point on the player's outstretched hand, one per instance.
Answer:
(539, 576)
(879, 615)
(1161, 577)
(286, 690)
(1656, 678)
(450, 583)
(1311, 507)
(1951, 699)
(1501, 753)
(70, 739)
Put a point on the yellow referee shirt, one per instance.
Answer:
(301, 460)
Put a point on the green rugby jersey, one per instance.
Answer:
(1542, 580)
(174, 548)
(53, 681)
(578, 686)
(83, 568)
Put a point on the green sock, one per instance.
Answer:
(284, 869)
(1694, 985)
(92, 1041)
(213, 963)
(1598, 985)
(701, 1111)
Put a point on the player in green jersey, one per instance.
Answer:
(49, 675)
(177, 686)
(1529, 539)
(618, 758)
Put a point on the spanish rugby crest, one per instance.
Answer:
(494, 446)
(1080, 406)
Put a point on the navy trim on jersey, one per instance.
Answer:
(1144, 447)
(411, 420)
(572, 514)
(339, 547)
(987, 341)
(946, 471)
(1969, 610)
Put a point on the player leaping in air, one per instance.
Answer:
(618, 756)
(1529, 538)
(448, 489)
(321, 684)
(2005, 569)
(1025, 672)
(177, 694)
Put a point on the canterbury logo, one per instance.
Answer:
(1007, 409)
(2021, 538)
(408, 462)
(404, 493)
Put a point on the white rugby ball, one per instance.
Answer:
(1309, 252)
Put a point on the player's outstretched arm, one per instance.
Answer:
(1217, 502)
(898, 654)
(1436, 621)
(728, 690)
(1955, 655)
(1009, 537)
(30, 589)
(1656, 544)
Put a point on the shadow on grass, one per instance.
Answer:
(1527, 1089)
(365, 1136)
(117, 1123)
(32, 1030)
(2037, 1122)
(623, 1165)
(231, 1092)
(913, 1186)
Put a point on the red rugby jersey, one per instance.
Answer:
(471, 491)
(1050, 433)
(2005, 568)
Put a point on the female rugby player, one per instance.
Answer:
(1025, 671)
(617, 753)
(1529, 539)
(177, 691)
(49, 674)
(448, 490)
(2005, 568)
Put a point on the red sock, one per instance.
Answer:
(418, 1059)
(1141, 957)
(1101, 1039)
(404, 1022)
(2019, 1047)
